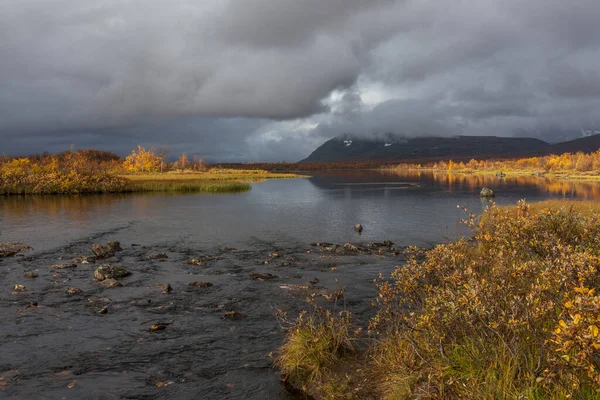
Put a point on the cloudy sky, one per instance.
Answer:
(248, 80)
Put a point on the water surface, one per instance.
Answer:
(64, 348)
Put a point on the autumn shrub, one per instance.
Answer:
(315, 341)
(554, 163)
(55, 175)
(511, 313)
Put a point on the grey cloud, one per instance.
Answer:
(260, 79)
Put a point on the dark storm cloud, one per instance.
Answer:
(263, 79)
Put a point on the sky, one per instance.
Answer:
(271, 80)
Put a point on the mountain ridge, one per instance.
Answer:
(390, 147)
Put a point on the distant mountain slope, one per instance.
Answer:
(586, 144)
(391, 148)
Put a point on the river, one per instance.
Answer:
(55, 346)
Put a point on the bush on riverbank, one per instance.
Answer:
(513, 313)
(24, 176)
(573, 163)
(75, 173)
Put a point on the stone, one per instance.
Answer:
(63, 266)
(358, 228)
(350, 248)
(19, 288)
(166, 288)
(72, 291)
(159, 327)
(30, 274)
(195, 261)
(107, 271)
(263, 277)
(11, 249)
(487, 192)
(110, 283)
(157, 256)
(233, 316)
(108, 250)
(84, 260)
(201, 284)
(500, 174)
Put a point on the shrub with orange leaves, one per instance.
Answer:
(510, 313)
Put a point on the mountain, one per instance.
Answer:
(586, 144)
(394, 148)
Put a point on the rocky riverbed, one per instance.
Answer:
(106, 320)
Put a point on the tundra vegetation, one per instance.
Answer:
(144, 170)
(510, 313)
(580, 165)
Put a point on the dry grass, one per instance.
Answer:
(512, 313)
(211, 175)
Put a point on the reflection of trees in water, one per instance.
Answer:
(77, 207)
(579, 189)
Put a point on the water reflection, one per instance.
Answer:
(401, 179)
(407, 207)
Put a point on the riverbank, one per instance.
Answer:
(212, 181)
(23, 177)
(502, 173)
(511, 313)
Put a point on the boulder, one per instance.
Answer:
(106, 271)
(11, 249)
(500, 174)
(30, 274)
(487, 193)
(358, 228)
(106, 250)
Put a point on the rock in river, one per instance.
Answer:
(233, 316)
(157, 256)
(110, 283)
(106, 250)
(12, 249)
(30, 274)
(201, 284)
(358, 228)
(107, 271)
(72, 291)
(263, 277)
(487, 193)
(63, 266)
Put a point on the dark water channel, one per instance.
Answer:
(65, 348)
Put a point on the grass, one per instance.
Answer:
(211, 175)
(512, 313)
(189, 186)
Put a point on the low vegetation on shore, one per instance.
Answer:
(581, 165)
(512, 313)
(145, 170)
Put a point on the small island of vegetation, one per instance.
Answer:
(145, 170)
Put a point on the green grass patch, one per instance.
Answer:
(190, 187)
